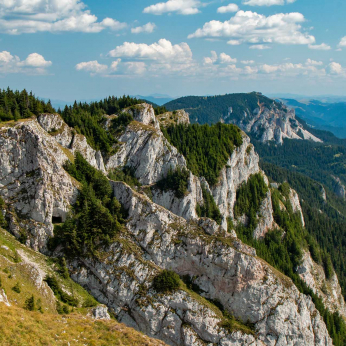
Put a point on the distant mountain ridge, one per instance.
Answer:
(263, 118)
(322, 115)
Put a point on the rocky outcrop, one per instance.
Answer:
(144, 148)
(224, 269)
(100, 312)
(274, 124)
(69, 139)
(32, 181)
(329, 290)
(339, 189)
(173, 118)
(3, 298)
(295, 203)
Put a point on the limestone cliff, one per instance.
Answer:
(272, 124)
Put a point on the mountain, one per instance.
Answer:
(263, 118)
(174, 227)
(322, 115)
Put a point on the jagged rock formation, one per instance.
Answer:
(271, 124)
(339, 189)
(329, 290)
(162, 233)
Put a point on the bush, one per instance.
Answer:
(30, 303)
(16, 288)
(89, 303)
(59, 293)
(166, 282)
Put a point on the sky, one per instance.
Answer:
(72, 49)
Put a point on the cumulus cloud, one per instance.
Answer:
(336, 69)
(255, 28)
(267, 2)
(92, 66)
(342, 43)
(322, 46)
(31, 16)
(222, 59)
(162, 51)
(314, 62)
(184, 7)
(247, 62)
(227, 9)
(147, 28)
(33, 64)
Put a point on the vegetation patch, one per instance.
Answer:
(209, 208)
(166, 282)
(125, 174)
(176, 180)
(15, 105)
(206, 148)
(97, 216)
(249, 199)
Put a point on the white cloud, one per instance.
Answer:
(222, 59)
(92, 66)
(161, 51)
(184, 7)
(226, 59)
(260, 46)
(234, 42)
(336, 69)
(321, 46)
(342, 43)
(36, 60)
(313, 62)
(252, 27)
(247, 62)
(227, 9)
(115, 65)
(33, 64)
(31, 16)
(267, 2)
(147, 28)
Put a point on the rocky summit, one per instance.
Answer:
(226, 293)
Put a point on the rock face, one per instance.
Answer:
(272, 124)
(329, 290)
(33, 182)
(161, 233)
(340, 189)
(224, 270)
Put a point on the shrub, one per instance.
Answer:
(166, 282)
(59, 293)
(16, 288)
(30, 303)
(89, 303)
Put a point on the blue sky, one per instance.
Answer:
(69, 49)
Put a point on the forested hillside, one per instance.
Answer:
(211, 109)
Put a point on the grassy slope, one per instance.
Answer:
(21, 327)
